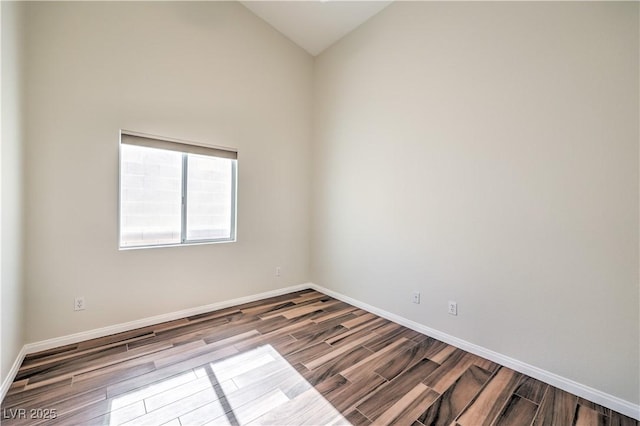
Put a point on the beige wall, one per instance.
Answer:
(11, 185)
(202, 71)
(487, 153)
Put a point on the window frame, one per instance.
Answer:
(184, 188)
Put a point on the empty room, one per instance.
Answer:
(320, 213)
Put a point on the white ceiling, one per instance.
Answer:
(315, 25)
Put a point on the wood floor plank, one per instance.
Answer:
(586, 416)
(307, 408)
(56, 395)
(262, 340)
(229, 312)
(617, 419)
(49, 352)
(110, 417)
(359, 320)
(44, 373)
(309, 353)
(556, 407)
(298, 358)
(24, 396)
(484, 363)
(307, 309)
(204, 335)
(268, 302)
(17, 386)
(454, 400)
(320, 329)
(441, 355)
(347, 397)
(202, 324)
(230, 402)
(177, 408)
(485, 409)
(215, 342)
(177, 393)
(71, 405)
(387, 395)
(123, 408)
(518, 411)
(359, 330)
(149, 380)
(168, 371)
(408, 407)
(449, 371)
(258, 310)
(96, 365)
(346, 336)
(198, 356)
(336, 314)
(40, 362)
(408, 416)
(283, 383)
(308, 297)
(320, 333)
(297, 345)
(151, 388)
(336, 352)
(531, 389)
(375, 360)
(280, 326)
(256, 374)
(330, 385)
(226, 325)
(113, 372)
(407, 358)
(247, 413)
(337, 365)
(294, 310)
(355, 418)
(389, 333)
(594, 406)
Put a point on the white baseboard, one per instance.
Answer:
(43, 345)
(6, 383)
(157, 319)
(617, 404)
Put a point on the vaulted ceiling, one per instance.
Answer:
(315, 25)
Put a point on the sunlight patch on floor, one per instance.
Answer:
(254, 387)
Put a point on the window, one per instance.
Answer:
(174, 192)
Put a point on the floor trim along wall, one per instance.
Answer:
(12, 372)
(625, 407)
(43, 345)
(617, 404)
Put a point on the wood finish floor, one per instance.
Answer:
(301, 358)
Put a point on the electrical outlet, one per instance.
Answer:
(79, 304)
(416, 298)
(453, 308)
(278, 271)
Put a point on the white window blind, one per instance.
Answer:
(169, 144)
